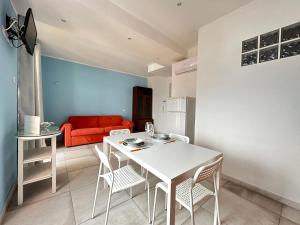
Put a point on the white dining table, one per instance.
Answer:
(171, 162)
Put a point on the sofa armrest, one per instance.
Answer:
(66, 128)
(128, 124)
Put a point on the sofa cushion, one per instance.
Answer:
(87, 139)
(87, 131)
(79, 122)
(108, 129)
(107, 121)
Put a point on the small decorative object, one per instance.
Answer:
(250, 44)
(149, 128)
(290, 32)
(268, 54)
(46, 125)
(270, 38)
(290, 49)
(249, 58)
(32, 124)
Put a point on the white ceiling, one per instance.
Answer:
(96, 32)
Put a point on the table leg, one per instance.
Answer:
(171, 203)
(106, 152)
(53, 146)
(20, 171)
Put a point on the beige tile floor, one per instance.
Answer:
(77, 169)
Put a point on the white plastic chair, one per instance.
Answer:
(119, 155)
(179, 137)
(117, 180)
(191, 192)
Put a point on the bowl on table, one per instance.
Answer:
(161, 137)
(133, 142)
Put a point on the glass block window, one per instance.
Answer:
(270, 38)
(249, 58)
(289, 49)
(290, 32)
(276, 44)
(268, 54)
(250, 44)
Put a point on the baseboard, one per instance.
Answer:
(263, 192)
(10, 195)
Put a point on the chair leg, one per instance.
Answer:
(96, 193)
(119, 163)
(109, 154)
(142, 171)
(192, 217)
(166, 201)
(149, 212)
(146, 179)
(130, 192)
(192, 208)
(108, 206)
(217, 220)
(218, 210)
(215, 213)
(154, 205)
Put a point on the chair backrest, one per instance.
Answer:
(121, 131)
(207, 171)
(180, 137)
(103, 158)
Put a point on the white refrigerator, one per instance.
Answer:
(180, 116)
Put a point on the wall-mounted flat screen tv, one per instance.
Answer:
(29, 34)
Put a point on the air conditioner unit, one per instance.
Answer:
(185, 66)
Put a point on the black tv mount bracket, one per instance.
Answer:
(12, 32)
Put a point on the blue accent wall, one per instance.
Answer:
(8, 110)
(76, 89)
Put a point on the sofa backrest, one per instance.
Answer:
(79, 122)
(107, 121)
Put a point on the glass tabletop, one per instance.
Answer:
(52, 130)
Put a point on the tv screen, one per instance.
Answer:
(29, 34)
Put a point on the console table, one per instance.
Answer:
(38, 163)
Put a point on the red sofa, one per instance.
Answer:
(81, 130)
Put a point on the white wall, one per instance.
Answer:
(192, 52)
(252, 113)
(161, 88)
(184, 84)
